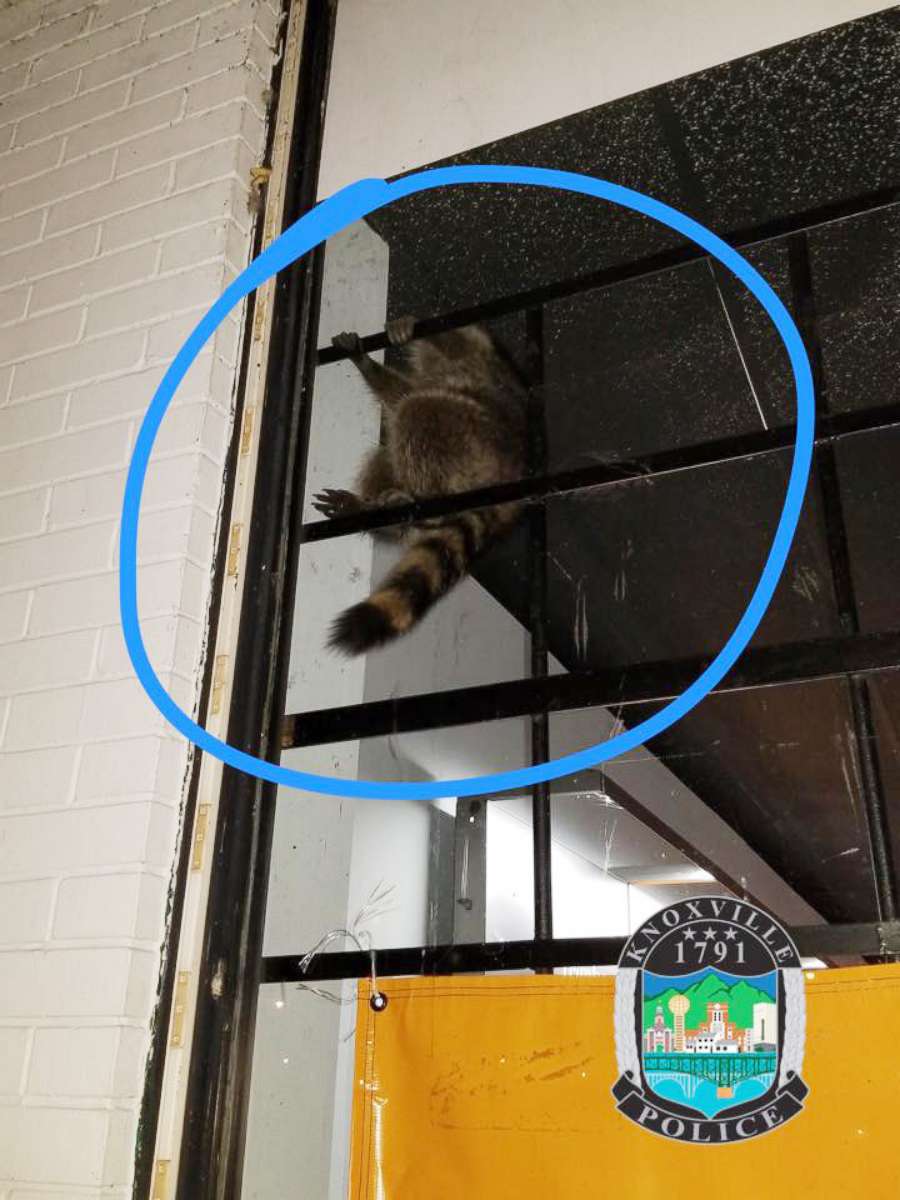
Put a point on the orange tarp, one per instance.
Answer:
(499, 1088)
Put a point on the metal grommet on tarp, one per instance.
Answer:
(378, 1001)
(362, 939)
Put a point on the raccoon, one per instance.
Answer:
(455, 415)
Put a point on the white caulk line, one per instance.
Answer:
(737, 345)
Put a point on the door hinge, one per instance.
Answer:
(179, 1008)
(259, 315)
(200, 827)
(161, 1179)
(234, 548)
(247, 429)
(218, 683)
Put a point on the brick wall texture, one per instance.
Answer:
(127, 133)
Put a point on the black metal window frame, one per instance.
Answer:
(233, 967)
(852, 655)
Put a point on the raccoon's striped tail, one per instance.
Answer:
(438, 558)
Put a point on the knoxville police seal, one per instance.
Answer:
(710, 1021)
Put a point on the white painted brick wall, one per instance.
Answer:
(127, 132)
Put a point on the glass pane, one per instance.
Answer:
(414, 869)
(717, 796)
(300, 1094)
(468, 638)
(645, 350)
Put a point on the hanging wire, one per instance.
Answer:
(374, 907)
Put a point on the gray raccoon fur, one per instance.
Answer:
(454, 419)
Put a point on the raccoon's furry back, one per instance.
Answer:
(454, 420)
(437, 560)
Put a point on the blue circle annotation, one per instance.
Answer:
(331, 216)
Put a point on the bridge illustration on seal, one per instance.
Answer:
(724, 1070)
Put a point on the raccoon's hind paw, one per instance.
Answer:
(334, 502)
(350, 343)
(400, 330)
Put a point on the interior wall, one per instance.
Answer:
(442, 78)
(587, 900)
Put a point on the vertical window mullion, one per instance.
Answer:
(537, 613)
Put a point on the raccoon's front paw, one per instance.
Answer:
(400, 330)
(394, 496)
(334, 502)
(348, 342)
